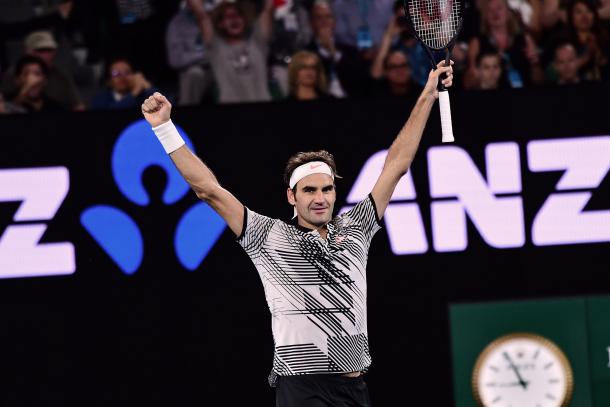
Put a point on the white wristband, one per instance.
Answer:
(168, 136)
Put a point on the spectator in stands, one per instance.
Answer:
(18, 19)
(344, 69)
(501, 33)
(563, 70)
(238, 55)
(490, 73)
(306, 77)
(552, 14)
(392, 70)
(187, 54)
(398, 36)
(31, 80)
(590, 38)
(528, 13)
(125, 88)
(362, 19)
(392, 74)
(291, 33)
(60, 86)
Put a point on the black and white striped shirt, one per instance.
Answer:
(315, 289)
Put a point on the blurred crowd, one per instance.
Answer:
(108, 54)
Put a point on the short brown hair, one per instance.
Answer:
(305, 157)
(219, 12)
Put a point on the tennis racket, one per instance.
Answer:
(436, 24)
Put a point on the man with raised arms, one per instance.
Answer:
(313, 268)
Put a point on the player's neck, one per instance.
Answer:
(321, 229)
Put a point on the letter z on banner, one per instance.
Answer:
(41, 192)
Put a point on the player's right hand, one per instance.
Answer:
(431, 86)
(156, 109)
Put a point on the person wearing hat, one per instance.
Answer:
(60, 87)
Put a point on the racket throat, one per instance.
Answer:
(440, 87)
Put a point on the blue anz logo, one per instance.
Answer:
(118, 234)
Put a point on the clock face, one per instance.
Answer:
(522, 370)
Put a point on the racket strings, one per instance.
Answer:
(436, 22)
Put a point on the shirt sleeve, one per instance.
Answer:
(254, 232)
(364, 214)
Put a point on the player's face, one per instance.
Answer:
(308, 74)
(314, 199)
(566, 63)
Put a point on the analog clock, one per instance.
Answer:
(522, 370)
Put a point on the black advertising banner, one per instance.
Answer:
(118, 287)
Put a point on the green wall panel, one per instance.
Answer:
(563, 321)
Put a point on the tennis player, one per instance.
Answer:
(313, 268)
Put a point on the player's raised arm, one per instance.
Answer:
(157, 110)
(405, 145)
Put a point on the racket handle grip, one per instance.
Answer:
(445, 108)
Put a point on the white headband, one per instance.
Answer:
(313, 167)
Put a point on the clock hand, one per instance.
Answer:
(522, 382)
(512, 384)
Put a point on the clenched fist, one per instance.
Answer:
(156, 109)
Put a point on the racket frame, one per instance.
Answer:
(447, 48)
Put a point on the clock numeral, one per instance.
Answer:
(495, 369)
(536, 354)
(550, 397)
(554, 381)
(496, 399)
(548, 365)
(491, 384)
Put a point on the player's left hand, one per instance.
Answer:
(433, 78)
